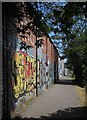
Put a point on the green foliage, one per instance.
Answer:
(77, 56)
(68, 22)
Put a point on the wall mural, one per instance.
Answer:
(51, 72)
(43, 75)
(23, 73)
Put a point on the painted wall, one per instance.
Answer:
(46, 66)
(22, 77)
(23, 73)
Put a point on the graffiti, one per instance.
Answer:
(50, 73)
(23, 73)
(43, 75)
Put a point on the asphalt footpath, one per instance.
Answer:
(58, 101)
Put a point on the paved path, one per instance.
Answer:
(57, 98)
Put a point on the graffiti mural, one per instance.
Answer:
(43, 75)
(23, 73)
(50, 73)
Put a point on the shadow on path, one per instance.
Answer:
(66, 82)
(69, 112)
(77, 112)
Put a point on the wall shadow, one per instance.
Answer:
(72, 112)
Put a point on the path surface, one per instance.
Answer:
(53, 102)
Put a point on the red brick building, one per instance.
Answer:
(26, 69)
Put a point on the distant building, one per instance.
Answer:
(62, 68)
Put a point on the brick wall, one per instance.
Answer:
(21, 81)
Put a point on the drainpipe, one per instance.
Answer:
(36, 65)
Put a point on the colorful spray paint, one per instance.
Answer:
(23, 73)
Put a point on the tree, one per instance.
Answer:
(68, 23)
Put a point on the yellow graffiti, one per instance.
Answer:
(23, 73)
